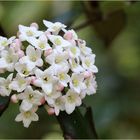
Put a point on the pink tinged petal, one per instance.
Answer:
(48, 52)
(87, 74)
(20, 53)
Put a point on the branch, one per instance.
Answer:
(82, 25)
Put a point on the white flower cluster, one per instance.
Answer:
(52, 67)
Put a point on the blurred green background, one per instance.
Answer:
(113, 32)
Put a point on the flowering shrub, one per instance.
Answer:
(53, 68)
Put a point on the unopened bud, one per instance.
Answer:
(34, 25)
(50, 110)
(14, 98)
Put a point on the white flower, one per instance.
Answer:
(54, 27)
(28, 32)
(59, 105)
(63, 77)
(50, 98)
(32, 58)
(59, 42)
(75, 66)
(57, 57)
(88, 63)
(72, 100)
(77, 83)
(4, 85)
(4, 42)
(30, 97)
(45, 80)
(8, 59)
(74, 52)
(27, 117)
(91, 85)
(41, 43)
(85, 50)
(58, 61)
(23, 69)
(19, 83)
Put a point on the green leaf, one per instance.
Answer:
(89, 118)
(4, 102)
(75, 126)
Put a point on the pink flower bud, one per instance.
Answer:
(20, 53)
(34, 25)
(14, 98)
(33, 78)
(49, 109)
(47, 52)
(87, 74)
(68, 35)
(47, 33)
(18, 43)
(59, 87)
(42, 101)
(29, 80)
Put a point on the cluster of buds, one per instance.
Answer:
(52, 68)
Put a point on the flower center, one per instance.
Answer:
(27, 114)
(87, 62)
(42, 45)
(70, 98)
(62, 76)
(33, 58)
(4, 43)
(57, 41)
(29, 33)
(75, 82)
(21, 82)
(30, 96)
(73, 50)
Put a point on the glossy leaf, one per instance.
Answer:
(75, 126)
(4, 102)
